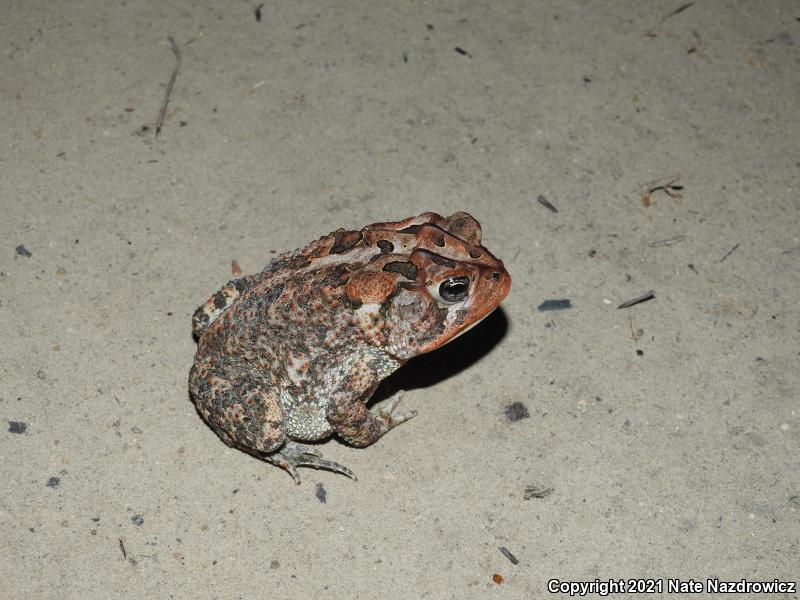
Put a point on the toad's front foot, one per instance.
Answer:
(293, 455)
(389, 416)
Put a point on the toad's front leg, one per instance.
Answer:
(359, 426)
(347, 412)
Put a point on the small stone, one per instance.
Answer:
(557, 304)
(321, 494)
(137, 520)
(17, 427)
(516, 412)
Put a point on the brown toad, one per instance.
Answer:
(293, 353)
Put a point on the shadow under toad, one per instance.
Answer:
(452, 358)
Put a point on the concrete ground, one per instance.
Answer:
(658, 441)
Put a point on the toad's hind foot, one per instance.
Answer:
(293, 455)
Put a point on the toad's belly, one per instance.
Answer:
(304, 421)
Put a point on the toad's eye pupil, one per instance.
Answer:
(454, 289)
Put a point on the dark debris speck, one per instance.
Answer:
(507, 553)
(546, 203)
(321, 493)
(23, 251)
(17, 427)
(54, 482)
(558, 304)
(137, 520)
(648, 295)
(535, 491)
(516, 412)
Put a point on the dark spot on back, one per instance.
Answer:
(338, 277)
(439, 260)
(387, 302)
(386, 246)
(219, 300)
(439, 240)
(352, 303)
(345, 240)
(296, 262)
(409, 229)
(272, 295)
(406, 269)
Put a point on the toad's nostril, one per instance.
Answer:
(496, 276)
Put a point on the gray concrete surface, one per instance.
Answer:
(668, 433)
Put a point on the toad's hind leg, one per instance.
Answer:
(243, 411)
(239, 406)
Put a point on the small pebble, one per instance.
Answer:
(17, 427)
(321, 493)
(561, 304)
(516, 412)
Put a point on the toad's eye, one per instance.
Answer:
(454, 289)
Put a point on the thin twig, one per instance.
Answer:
(669, 242)
(170, 84)
(507, 553)
(677, 11)
(729, 252)
(649, 295)
(669, 187)
(122, 549)
(546, 203)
